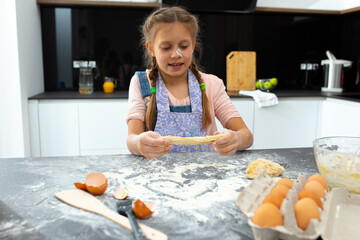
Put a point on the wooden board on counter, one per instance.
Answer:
(241, 70)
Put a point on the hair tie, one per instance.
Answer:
(202, 86)
(153, 90)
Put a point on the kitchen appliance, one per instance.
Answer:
(241, 70)
(334, 73)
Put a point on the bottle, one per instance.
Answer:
(86, 83)
(108, 85)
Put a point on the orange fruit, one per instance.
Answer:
(281, 189)
(321, 179)
(274, 198)
(315, 187)
(141, 210)
(285, 181)
(312, 195)
(96, 183)
(267, 215)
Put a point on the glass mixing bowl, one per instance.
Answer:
(338, 160)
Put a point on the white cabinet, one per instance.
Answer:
(329, 5)
(78, 127)
(103, 129)
(291, 123)
(245, 106)
(93, 127)
(58, 128)
(339, 118)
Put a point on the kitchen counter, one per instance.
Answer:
(351, 96)
(195, 193)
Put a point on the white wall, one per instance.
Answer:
(21, 73)
(332, 5)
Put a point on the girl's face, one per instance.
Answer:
(173, 48)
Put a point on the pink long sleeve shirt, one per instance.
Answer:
(220, 104)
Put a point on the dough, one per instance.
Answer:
(272, 169)
(192, 140)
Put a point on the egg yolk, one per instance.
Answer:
(267, 215)
(321, 179)
(306, 209)
(315, 187)
(285, 181)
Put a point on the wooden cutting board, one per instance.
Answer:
(240, 71)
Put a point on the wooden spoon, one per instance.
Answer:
(83, 200)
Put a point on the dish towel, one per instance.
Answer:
(263, 99)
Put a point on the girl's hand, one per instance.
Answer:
(151, 146)
(228, 144)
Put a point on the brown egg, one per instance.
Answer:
(306, 209)
(315, 187)
(281, 189)
(274, 198)
(285, 181)
(267, 215)
(321, 179)
(312, 195)
(141, 210)
(96, 183)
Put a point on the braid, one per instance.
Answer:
(206, 118)
(150, 113)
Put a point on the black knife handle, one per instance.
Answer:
(138, 233)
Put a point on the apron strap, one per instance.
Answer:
(144, 83)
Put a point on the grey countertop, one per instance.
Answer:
(195, 193)
(351, 96)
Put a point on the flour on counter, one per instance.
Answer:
(183, 187)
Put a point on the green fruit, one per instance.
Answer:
(257, 84)
(261, 84)
(274, 81)
(267, 85)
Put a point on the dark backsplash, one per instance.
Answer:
(111, 37)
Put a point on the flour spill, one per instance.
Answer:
(191, 186)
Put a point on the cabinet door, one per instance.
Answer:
(339, 118)
(291, 123)
(58, 127)
(103, 129)
(245, 107)
(331, 5)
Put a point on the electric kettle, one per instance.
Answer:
(334, 73)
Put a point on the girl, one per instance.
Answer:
(174, 97)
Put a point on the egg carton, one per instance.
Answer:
(338, 220)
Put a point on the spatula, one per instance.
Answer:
(83, 200)
(125, 207)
